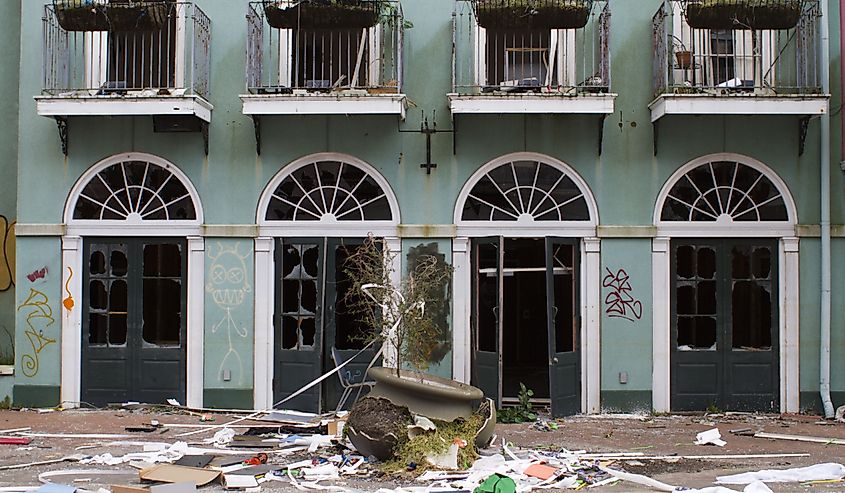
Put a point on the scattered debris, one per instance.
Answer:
(800, 438)
(710, 437)
(840, 414)
(818, 472)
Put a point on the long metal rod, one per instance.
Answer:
(824, 329)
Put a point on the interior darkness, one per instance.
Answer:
(751, 303)
(525, 348)
(300, 265)
(162, 294)
(107, 295)
(350, 332)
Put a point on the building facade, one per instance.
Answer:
(632, 201)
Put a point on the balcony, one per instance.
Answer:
(729, 57)
(120, 58)
(531, 56)
(314, 57)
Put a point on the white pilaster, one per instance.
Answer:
(661, 324)
(264, 335)
(394, 247)
(71, 339)
(195, 321)
(591, 330)
(461, 308)
(789, 284)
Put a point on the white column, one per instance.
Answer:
(264, 342)
(461, 307)
(71, 339)
(591, 330)
(196, 321)
(788, 294)
(394, 247)
(661, 325)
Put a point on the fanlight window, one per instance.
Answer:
(525, 191)
(135, 190)
(329, 191)
(724, 190)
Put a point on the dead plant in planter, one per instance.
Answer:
(405, 316)
(743, 14)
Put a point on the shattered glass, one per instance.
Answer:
(299, 296)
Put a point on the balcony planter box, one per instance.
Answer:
(87, 15)
(532, 14)
(323, 14)
(743, 14)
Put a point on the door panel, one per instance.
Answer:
(725, 328)
(133, 324)
(487, 261)
(297, 321)
(563, 327)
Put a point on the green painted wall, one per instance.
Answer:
(625, 178)
(229, 313)
(626, 322)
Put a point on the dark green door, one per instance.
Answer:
(487, 331)
(134, 331)
(725, 325)
(297, 321)
(563, 327)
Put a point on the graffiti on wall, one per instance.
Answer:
(68, 301)
(7, 254)
(38, 274)
(228, 285)
(39, 316)
(619, 301)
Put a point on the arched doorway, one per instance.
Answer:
(527, 263)
(126, 258)
(311, 216)
(726, 264)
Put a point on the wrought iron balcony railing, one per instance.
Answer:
(730, 53)
(317, 49)
(158, 48)
(531, 46)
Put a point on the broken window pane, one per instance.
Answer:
(308, 329)
(685, 261)
(118, 296)
(97, 328)
(762, 263)
(487, 295)
(290, 296)
(706, 262)
(119, 263)
(162, 322)
(741, 263)
(751, 320)
(696, 333)
(290, 261)
(117, 329)
(566, 332)
(97, 298)
(162, 260)
(310, 261)
(290, 334)
(706, 298)
(685, 296)
(97, 263)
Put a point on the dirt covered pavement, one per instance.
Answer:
(660, 447)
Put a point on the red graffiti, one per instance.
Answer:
(620, 302)
(38, 274)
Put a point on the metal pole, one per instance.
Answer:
(824, 330)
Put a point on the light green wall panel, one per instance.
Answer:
(229, 313)
(626, 314)
(38, 316)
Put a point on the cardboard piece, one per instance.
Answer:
(169, 473)
(335, 427)
(541, 471)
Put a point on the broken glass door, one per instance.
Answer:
(486, 320)
(133, 328)
(563, 326)
(724, 325)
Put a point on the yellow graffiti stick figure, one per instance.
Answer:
(41, 310)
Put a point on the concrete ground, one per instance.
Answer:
(669, 437)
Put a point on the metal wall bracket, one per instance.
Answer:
(601, 132)
(256, 123)
(428, 131)
(803, 125)
(61, 122)
(654, 134)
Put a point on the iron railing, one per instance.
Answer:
(172, 60)
(324, 60)
(765, 62)
(530, 59)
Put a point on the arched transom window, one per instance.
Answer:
(526, 190)
(724, 191)
(135, 190)
(330, 190)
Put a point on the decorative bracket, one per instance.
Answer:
(256, 123)
(61, 122)
(803, 125)
(654, 127)
(428, 131)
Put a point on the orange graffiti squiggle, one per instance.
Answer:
(68, 302)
